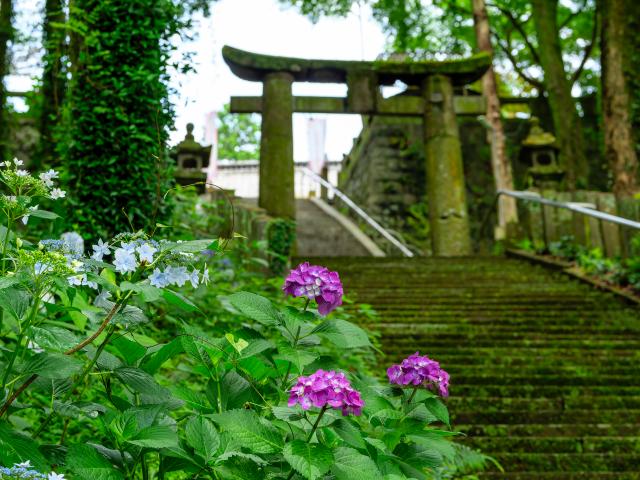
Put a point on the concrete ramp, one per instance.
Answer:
(324, 232)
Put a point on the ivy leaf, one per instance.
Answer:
(247, 429)
(255, 307)
(87, 464)
(311, 460)
(155, 436)
(343, 334)
(350, 464)
(52, 365)
(203, 437)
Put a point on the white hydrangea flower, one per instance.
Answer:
(73, 241)
(57, 193)
(205, 275)
(34, 347)
(145, 252)
(17, 163)
(100, 250)
(39, 268)
(125, 261)
(56, 476)
(48, 176)
(25, 217)
(22, 173)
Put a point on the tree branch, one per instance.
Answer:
(520, 29)
(507, 51)
(587, 50)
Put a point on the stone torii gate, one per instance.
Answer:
(435, 103)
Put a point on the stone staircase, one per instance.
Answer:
(545, 371)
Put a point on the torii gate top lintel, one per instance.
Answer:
(255, 66)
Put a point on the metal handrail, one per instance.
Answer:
(573, 206)
(379, 228)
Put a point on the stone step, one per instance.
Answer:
(619, 445)
(561, 476)
(545, 416)
(545, 403)
(567, 462)
(549, 429)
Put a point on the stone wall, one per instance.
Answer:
(385, 174)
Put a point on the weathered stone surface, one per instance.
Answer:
(450, 234)
(276, 147)
(254, 67)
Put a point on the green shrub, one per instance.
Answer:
(117, 115)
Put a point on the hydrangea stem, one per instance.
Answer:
(310, 436)
(413, 394)
(78, 347)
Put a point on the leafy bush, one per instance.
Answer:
(111, 371)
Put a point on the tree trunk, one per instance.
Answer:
(618, 138)
(53, 79)
(502, 173)
(6, 34)
(566, 122)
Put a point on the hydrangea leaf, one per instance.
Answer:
(349, 433)
(246, 427)
(343, 334)
(52, 365)
(154, 361)
(14, 301)
(311, 460)
(178, 300)
(438, 409)
(298, 357)
(16, 448)
(203, 437)
(87, 464)
(350, 464)
(255, 307)
(155, 436)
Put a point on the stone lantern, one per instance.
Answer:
(540, 151)
(192, 161)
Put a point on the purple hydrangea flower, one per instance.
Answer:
(326, 389)
(419, 370)
(316, 283)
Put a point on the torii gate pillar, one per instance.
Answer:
(276, 146)
(448, 216)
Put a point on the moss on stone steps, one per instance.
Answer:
(545, 370)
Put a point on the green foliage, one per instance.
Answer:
(117, 115)
(238, 135)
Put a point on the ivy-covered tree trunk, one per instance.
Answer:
(502, 172)
(6, 34)
(566, 122)
(117, 115)
(53, 79)
(618, 138)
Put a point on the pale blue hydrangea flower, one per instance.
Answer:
(145, 252)
(159, 279)
(205, 275)
(125, 261)
(177, 275)
(129, 247)
(102, 299)
(194, 278)
(74, 242)
(39, 268)
(100, 250)
(80, 280)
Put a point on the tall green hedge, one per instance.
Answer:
(117, 114)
